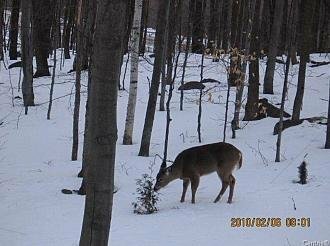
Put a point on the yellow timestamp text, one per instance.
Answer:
(262, 222)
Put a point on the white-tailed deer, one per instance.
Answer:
(195, 162)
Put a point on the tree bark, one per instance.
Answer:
(13, 32)
(159, 56)
(42, 19)
(305, 37)
(135, 39)
(273, 47)
(247, 43)
(56, 38)
(102, 127)
(226, 44)
(290, 38)
(186, 52)
(27, 54)
(198, 26)
(213, 24)
(251, 108)
(144, 27)
(327, 141)
(68, 23)
(82, 5)
(1, 30)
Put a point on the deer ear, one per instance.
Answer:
(163, 166)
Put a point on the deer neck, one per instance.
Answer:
(175, 171)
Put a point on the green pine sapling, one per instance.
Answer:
(302, 173)
(147, 198)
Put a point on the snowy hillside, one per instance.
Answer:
(35, 165)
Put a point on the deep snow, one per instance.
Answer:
(35, 165)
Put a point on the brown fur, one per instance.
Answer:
(195, 162)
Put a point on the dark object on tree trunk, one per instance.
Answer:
(209, 80)
(80, 192)
(318, 64)
(266, 109)
(191, 85)
(303, 173)
(15, 64)
(286, 124)
(279, 61)
(289, 123)
(152, 55)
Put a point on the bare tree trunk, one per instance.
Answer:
(327, 141)
(85, 156)
(246, 42)
(27, 54)
(285, 88)
(226, 110)
(198, 26)
(227, 28)
(159, 56)
(42, 18)
(102, 127)
(135, 39)
(251, 108)
(290, 37)
(186, 53)
(169, 98)
(82, 4)
(57, 15)
(69, 14)
(273, 47)
(128, 23)
(13, 32)
(305, 37)
(213, 24)
(163, 86)
(199, 116)
(220, 31)
(293, 31)
(2, 23)
(144, 27)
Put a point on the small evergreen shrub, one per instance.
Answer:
(147, 198)
(303, 173)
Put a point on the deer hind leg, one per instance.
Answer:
(185, 187)
(231, 188)
(225, 184)
(194, 185)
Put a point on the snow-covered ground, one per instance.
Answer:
(35, 165)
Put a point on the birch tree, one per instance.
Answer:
(135, 40)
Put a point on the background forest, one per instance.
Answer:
(98, 97)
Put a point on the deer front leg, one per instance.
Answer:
(194, 185)
(185, 186)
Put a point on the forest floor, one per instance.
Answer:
(35, 165)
